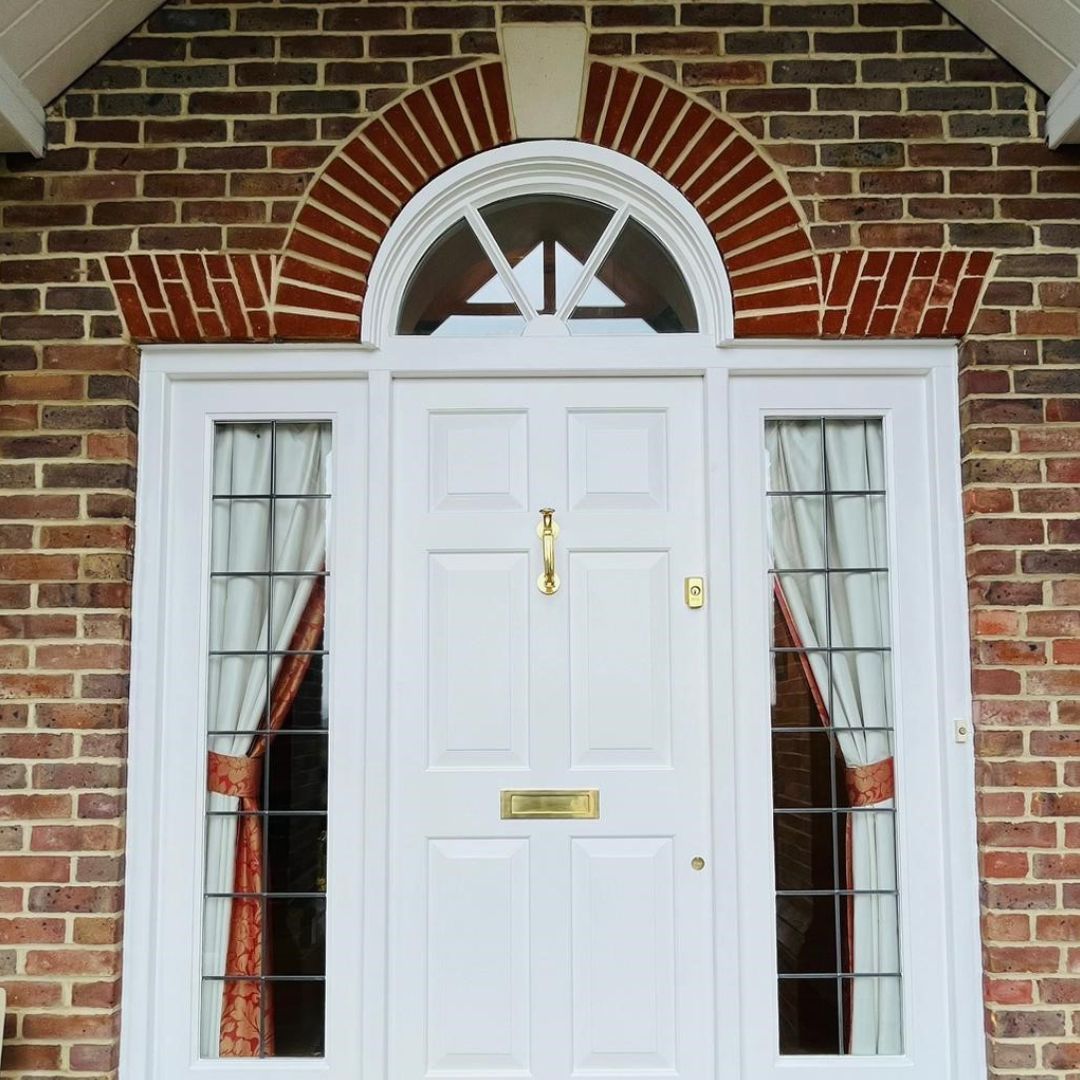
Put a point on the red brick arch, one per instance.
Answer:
(322, 278)
(314, 289)
(757, 223)
(758, 228)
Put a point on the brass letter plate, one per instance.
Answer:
(584, 803)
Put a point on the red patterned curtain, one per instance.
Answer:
(247, 1015)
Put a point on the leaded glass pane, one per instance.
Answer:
(264, 913)
(834, 798)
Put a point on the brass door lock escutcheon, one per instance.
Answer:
(694, 592)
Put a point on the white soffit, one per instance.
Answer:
(1041, 39)
(45, 45)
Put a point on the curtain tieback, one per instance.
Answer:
(868, 785)
(240, 777)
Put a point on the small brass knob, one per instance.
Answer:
(697, 862)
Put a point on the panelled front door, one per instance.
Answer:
(549, 947)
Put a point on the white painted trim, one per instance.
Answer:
(1063, 112)
(958, 759)
(936, 825)
(555, 167)
(723, 720)
(593, 262)
(931, 366)
(22, 119)
(681, 354)
(143, 810)
(167, 738)
(375, 830)
(499, 261)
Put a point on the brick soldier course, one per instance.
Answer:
(226, 173)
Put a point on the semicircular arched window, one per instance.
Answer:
(550, 265)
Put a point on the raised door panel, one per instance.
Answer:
(478, 644)
(624, 1000)
(617, 459)
(620, 659)
(478, 991)
(478, 460)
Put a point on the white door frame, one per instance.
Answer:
(933, 364)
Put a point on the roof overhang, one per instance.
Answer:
(1063, 112)
(1041, 39)
(22, 116)
(45, 45)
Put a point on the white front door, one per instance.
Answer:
(545, 947)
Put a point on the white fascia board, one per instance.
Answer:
(22, 118)
(1063, 112)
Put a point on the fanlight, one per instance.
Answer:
(546, 265)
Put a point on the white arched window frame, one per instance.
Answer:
(550, 167)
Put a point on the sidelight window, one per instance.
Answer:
(264, 916)
(834, 801)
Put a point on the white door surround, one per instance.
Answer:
(422, 874)
(155, 954)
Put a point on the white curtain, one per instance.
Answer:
(846, 531)
(240, 619)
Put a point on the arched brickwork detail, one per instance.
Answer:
(193, 296)
(758, 228)
(756, 221)
(322, 278)
(314, 290)
(901, 294)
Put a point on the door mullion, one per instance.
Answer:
(720, 459)
(377, 701)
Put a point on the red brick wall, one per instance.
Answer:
(906, 159)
